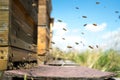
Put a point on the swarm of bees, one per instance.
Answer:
(94, 24)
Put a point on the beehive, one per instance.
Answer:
(44, 27)
(18, 31)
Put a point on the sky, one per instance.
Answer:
(86, 24)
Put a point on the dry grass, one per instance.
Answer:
(105, 61)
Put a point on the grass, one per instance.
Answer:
(108, 60)
(25, 77)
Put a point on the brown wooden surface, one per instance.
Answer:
(31, 7)
(24, 21)
(58, 72)
(43, 40)
(47, 4)
(3, 64)
(4, 53)
(42, 2)
(3, 57)
(44, 13)
(16, 54)
(22, 55)
(18, 31)
(4, 2)
(4, 21)
(42, 17)
(22, 29)
(4, 14)
(44, 21)
(17, 42)
(23, 11)
(4, 18)
(3, 37)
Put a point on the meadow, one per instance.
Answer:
(108, 60)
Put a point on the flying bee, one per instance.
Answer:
(59, 20)
(95, 24)
(69, 46)
(52, 42)
(91, 47)
(84, 16)
(64, 29)
(76, 43)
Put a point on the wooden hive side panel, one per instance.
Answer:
(31, 6)
(42, 15)
(3, 57)
(22, 55)
(23, 30)
(4, 22)
(43, 40)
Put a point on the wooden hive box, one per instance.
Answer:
(43, 40)
(44, 27)
(18, 31)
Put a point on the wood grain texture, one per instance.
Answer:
(43, 40)
(3, 58)
(18, 31)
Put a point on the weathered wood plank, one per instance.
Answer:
(16, 54)
(22, 55)
(61, 73)
(22, 34)
(4, 21)
(43, 40)
(21, 19)
(19, 22)
(4, 17)
(42, 17)
(3, 64)
(16, 42)
(23, 11)
(24, 20)
(3, 58)
(3, 37)
(18, 32)
(4, 2)
(31, 7)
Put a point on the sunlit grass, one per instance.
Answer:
(102, 60)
